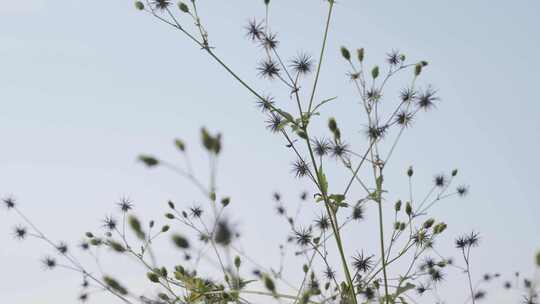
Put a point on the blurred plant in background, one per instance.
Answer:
(406, 268)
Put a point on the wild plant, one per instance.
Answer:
(407, 267)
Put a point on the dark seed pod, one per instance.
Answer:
(148, 160)
(154, 278)
(183, 7)
(408, 208)
(397, 206)
(375, 72)
(139, 5)
(360, 54)
(345, 53)
(180, 241)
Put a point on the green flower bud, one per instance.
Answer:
(180, 145)
(417, 69)
(397, 206)
(154, 278)
(428, 223)
(439, 228)
(89, 235)
(95, 242)
(397, 225)
(332, 124)
(171, 204)
(139, 5)
(345, 53)
(237, 262)
(183, 7)
(116, 246)
(180, 241)
(375, 72)
(410, 171)
(113, 284)
(408, 208)
(148, 160)
(454, 172)
(269, 284)
(165, 228)
(266, 2)
(169, 216)
(135, 225)
(225, 201)
(305, 268)
(164, 297)
(360, 54)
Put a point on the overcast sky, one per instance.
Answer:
(85, 86)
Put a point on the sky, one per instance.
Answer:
(87, 86)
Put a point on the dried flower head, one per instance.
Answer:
(362, 263)
(269, 41)
(20, 232)
(9, 202)
(426, 99)
(268, 68)
(321, 146)
(49, 263)
(254, 30)
(302, 64)
(125, 204)
(161, 4)
(300, 168)
(274, 123)
(109, 223)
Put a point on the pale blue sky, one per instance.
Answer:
(86, 86)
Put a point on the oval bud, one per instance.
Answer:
(345, 53)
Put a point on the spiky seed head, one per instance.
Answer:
(161, 4)
(9, 203)
(345, 53)
(139, 5)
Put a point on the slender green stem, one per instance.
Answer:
(321, 56)
(381, 236)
